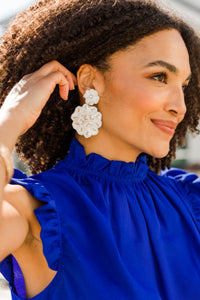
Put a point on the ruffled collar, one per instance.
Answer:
(95, 163)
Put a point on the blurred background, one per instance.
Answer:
(188, 157)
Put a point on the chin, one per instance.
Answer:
(160, 152)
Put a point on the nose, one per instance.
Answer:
(176, 103)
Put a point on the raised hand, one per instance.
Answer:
(28, 97)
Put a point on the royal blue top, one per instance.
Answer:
(115, 230)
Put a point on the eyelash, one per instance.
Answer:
(162, 75)
(164, 79)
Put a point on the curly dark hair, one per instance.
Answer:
(75, 32)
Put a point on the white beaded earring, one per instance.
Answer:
(87, 119)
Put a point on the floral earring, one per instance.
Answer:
(87, 119)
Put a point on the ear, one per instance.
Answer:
(88, 77)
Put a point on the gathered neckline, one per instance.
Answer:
(95, 163)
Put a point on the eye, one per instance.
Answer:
(184, 87)
(162, 77)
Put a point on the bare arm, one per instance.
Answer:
(13, 224)
(20, 111)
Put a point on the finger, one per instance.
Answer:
(64, 91)
(54, 66)
(48, 83)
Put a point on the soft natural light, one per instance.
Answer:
(9, 8)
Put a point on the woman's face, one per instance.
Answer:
(142, 99)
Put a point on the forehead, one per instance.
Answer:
(166, 45)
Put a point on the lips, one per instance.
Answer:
(166, 126)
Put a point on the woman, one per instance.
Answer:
(95, 222)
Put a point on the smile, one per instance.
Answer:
(165, 126)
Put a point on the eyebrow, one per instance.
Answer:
(166, 65)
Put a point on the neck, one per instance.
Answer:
(109, 147)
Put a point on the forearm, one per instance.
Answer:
(2, 184)
(14, 224)
(9, 133)
(9, 130)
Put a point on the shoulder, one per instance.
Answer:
(19, 198)
(189, 181)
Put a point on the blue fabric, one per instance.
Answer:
(116, 230)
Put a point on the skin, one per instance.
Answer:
(133, 95)
(19, 228)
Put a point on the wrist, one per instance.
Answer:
(6, 162)
(9, 130)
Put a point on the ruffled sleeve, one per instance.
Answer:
(47, 216)
(189, 183)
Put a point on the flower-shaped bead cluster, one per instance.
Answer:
(91, 97)
(86, 120)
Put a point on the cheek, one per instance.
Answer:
(139, 101)
(128, 99)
